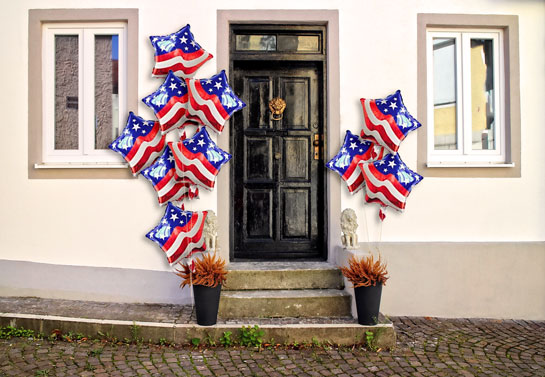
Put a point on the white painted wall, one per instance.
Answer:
(102, 223)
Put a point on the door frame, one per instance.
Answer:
(329, 19)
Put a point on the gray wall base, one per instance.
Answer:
(19, 278)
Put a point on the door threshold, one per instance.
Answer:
(281, 265)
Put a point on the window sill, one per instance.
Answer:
(80, 165)
(469, 165)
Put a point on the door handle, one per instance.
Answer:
(277, 156)
(316, 143)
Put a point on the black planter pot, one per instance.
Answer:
(368, 304)
(207, 301)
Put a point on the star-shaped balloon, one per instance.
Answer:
(212, 101)
(387, 121)
(178, 52)
(179, 233)
(199, 159)
(354, 150)
(169, 103)
(388, 181)
(165, 181)
(140, 142)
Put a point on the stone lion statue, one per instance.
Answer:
(210, 230)
(349, 226)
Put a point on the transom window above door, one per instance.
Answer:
(280, 39)
(272, 42)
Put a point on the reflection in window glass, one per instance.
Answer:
(66, 92)
(303, 43)
(106, 90)
(256, 42)
(482, 94)
(444, 93)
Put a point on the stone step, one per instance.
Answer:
(282, 276)
(284, 303)
(176, 323)
(326, 331)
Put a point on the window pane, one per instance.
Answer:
(304, 43)
(482, 94)
(256, 42)
(66, 92)
(444, 93)
(106, 90)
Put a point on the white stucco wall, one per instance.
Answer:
(103, 223)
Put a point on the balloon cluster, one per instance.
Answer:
(371, 159)
(177, 170)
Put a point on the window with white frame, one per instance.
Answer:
(465, 94)
(84, 90)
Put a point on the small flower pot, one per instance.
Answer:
(368, 304)
(207, 301)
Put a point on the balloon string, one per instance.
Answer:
(366, 226)
(379, 236)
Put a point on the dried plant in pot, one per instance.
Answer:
(207, 277)
(367, 276)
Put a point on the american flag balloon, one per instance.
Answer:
(180, 233)
(212, 101)
(387, 121)
(178, 52)
(388, 181)
(169, 103)
(346, 162)
(199, 159)
(140, 143)
(165, 181)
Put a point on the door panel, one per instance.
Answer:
(277, 185)
(295, 91)
(259, 159)
(296, 167)
(259, 206)
(260, 89)
(295, 206)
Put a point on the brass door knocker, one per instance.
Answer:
(277, 106)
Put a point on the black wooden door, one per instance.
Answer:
(278, 179)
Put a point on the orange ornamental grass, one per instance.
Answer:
(365, 272)
(209, 271)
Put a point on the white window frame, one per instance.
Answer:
(86, 152)
(465, 155)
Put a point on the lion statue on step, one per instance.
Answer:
(349, 226)
(210, 230)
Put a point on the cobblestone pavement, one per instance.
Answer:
(426, 347)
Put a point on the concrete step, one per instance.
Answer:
(282, 275)
(329, 331)
(284, 303)
(176, 323)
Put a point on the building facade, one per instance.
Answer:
(471, 241)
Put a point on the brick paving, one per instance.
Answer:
(426, 347)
